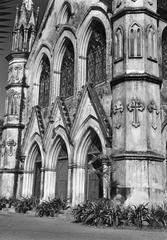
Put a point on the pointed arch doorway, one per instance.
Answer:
(62, 173)
(37, 175)
(94, 169)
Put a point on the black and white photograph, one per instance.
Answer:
(83, 119)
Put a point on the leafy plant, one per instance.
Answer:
(106, 212)
(50, 208)
(23, 205)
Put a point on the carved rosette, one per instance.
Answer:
(135, 106)
(153, 110)
(117, 111)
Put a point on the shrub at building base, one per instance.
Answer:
(106, 212)
(23, 205)
(51, 208)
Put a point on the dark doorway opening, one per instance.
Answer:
(94, 186)
(37, 177)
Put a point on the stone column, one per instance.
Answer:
(78, 185)
(106, 178)
(136, 108)
(69, 188)
(49, 184)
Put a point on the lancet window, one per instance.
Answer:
(21, 39)
(67, 72)
(151, 43)
(13, 105)
(96, 56)
(44, 85)
(135, 41)
(118, 44)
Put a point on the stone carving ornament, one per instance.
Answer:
(117, 111)
(8, 148)
(153, 110)
(135, 106)
(10, 74)
(17, 73)
(11, 144)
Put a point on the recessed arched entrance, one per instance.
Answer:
(37, 175)
(94, 169)
(62, 172)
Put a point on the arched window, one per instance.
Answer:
(44, 85)
(135, 41)
(21, 38)
(118, 44)
(164, 54)
(151, 43)
(96, 55)
(30, 38)
(67, 72)
(13, 105)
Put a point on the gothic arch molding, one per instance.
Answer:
(65, 12)
(55, 145)
(36, 72)
(82, 138)
(82, 142)
(30, 152)
(33, 152)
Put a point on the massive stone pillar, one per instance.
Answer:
(136, 102)
(16, 91)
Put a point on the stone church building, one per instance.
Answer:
(86, 102)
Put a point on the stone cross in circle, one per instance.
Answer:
(135, 106)
(152, 108)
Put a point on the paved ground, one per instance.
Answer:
(21, 227)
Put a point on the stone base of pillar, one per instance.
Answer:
(7, 184)
(139, 177)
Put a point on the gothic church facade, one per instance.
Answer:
(86, 98)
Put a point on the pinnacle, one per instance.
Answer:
(28, 4)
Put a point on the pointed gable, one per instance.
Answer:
(90, 106)
(59, 115)
(35, 125)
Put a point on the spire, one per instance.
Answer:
(25, 26)
(17, 17)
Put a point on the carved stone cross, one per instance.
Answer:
(153, 109)
(135, 106)
(17, 69)
(118, 110)
(11, 143)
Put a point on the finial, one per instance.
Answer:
(28, 4)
